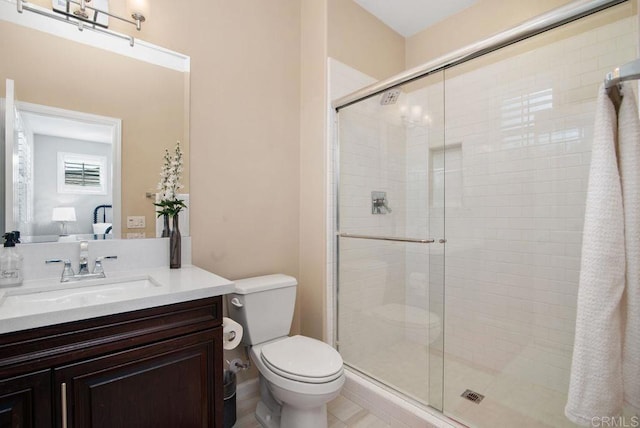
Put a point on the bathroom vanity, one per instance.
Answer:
(157, 365)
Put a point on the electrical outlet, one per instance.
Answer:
(135, 222)
(136, 235)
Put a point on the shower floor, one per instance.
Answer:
(402, 366)
(508, 401)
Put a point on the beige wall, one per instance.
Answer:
(245, 97)
(357, 38)
(245, 165)
(313, 151)
(475, 23)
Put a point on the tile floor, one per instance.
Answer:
(343, 413)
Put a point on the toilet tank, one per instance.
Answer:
(263, 305)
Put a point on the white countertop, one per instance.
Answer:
(34, 305)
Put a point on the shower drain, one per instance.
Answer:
(472, 396)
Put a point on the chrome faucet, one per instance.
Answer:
(83, 270)
(379, 203)
(84, 258)
(98, 269)
(67, 272)
(69, 275)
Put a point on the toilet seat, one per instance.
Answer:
(302, 359)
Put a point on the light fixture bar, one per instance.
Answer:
(23, 5)
(139, 19)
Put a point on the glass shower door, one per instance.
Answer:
(391, 223)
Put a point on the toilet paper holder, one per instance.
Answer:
(231, 333)
(237, 364)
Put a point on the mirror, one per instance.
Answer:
(145, 105)
(64, 171)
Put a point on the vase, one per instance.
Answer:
(175, 245)
(166, 231)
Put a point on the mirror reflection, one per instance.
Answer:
(63, 178)
(75, 165)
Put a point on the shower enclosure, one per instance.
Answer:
(460, 204)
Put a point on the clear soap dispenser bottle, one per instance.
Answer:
(10, 262)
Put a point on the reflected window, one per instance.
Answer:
(518, 117)
(80, 173)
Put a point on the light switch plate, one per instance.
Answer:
(135, 222)
(136, 235)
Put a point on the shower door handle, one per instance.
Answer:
(387, 238)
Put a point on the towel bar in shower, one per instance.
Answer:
(628, 71)
(387, 238)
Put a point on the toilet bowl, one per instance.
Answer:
(302, 375)
(298, 375)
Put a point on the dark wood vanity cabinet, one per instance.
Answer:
(25, 401)
(157, 367)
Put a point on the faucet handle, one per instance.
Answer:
(57, 261)
(97, 268)
(67, 272)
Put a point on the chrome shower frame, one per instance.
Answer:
(538, 25)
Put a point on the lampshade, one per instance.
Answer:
(64, 214)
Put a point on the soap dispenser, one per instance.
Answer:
(10, 262)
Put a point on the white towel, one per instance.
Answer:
(629, 162)
(596, 370)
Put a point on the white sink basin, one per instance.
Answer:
(74, 294)
(47, 301)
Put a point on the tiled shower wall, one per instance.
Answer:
(524, 127)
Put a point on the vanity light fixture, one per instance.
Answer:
(137, 8)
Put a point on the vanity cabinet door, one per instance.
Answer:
(165, 384)
(25, 401)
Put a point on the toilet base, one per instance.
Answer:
(271, 414)
(266, 417)
(291, 417)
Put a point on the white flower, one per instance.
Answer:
(170, 175)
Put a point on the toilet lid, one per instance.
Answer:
(303, 359)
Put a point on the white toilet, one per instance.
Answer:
(298, 375)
